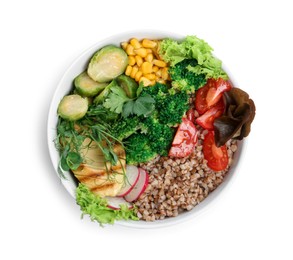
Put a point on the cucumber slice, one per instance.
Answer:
(86, 86)
(128, 84)
(72, 107)
(107, 64)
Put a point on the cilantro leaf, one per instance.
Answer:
(128, 108)
(116, 99)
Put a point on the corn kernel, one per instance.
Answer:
(153, 82)
(149, 57)
(130, 50)
(141, 52)
(134, 71)
(128, 70)
(148, 43)
(155, 68)
(165, 74)
(161, 81)
(146, 67)
(135, 43)
(146, 82)
(149, 51)
(160, 63)
(124, 45)
(131, 60)
(159, 73)
(138, 76)
(138, 60)
(150, 76)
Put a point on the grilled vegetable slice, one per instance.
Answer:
(86, 86)
(100, 176)
(72, 107)
(107, 64)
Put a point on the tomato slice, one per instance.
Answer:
(184, 140)
(210, 94)
(217, 157)
(207, 119)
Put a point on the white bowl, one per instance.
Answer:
(64, 87)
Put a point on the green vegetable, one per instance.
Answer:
(142, 106)
(106, 91)
(192, 47)
(71, 135)
(170, 107)
(185, 80)
(86, 86)
(125, 127)
(146, 137)
(72, 107)
(107, 64)
(138, 149)
(128, 84)
(118, 101)
(160, 136)
(96, 207)
(68, 142)
(104, 114)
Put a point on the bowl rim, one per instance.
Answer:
(70, 185)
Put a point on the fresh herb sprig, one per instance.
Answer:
(118, 102)
(71, 136)
(68, 142)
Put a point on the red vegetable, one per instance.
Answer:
(210, 94)
(190, 115)
(184, 140)
(207, 119)
(217, 157)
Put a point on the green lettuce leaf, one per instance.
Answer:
(96, 207)
(193, 48)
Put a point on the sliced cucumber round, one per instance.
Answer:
(86, 86)
(128, 84)
(107, 63)
(72, 107)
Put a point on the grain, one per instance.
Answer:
(179, 184)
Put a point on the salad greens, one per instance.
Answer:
(192, 47)
(98, 210)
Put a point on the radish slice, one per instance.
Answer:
(139, 187)
(115, 202)
(131, 178)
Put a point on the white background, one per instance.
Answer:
(253, 219)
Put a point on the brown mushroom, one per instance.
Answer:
(236, 121)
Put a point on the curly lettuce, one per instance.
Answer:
(97, 208)
(191, 47)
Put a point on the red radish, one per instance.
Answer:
(131, 178)
(115, 202)
(140, 186)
